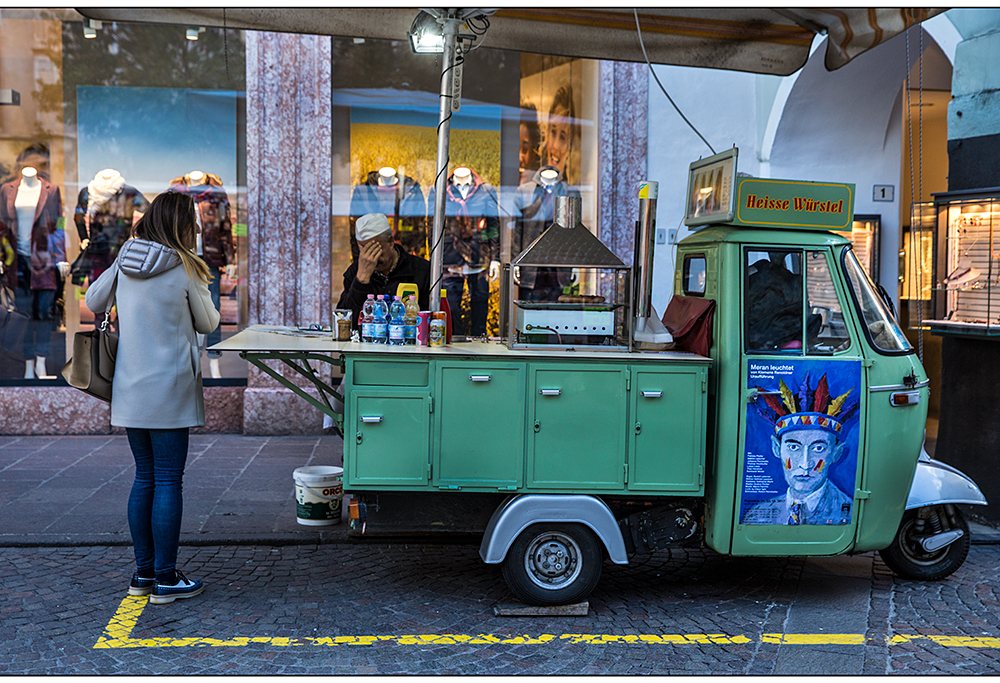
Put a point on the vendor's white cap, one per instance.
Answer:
(371, 225)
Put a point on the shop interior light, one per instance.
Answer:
(10, 97)
(90, 28)
(426, 36)
(193, 33)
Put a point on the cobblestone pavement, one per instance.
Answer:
(381, 608)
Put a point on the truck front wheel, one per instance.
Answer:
(553, 564)
(907, 556)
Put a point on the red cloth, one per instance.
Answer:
(689, 321)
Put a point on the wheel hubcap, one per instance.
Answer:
(553, 560)
(912, 549)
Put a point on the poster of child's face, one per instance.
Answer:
(801, 444)
(554, 94)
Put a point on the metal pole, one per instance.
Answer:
(643, 252)
(450, 32)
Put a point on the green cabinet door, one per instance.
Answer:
(388, 438)
(667, 442)
(479, 425)
(576, 430)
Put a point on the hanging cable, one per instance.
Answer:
(657, 79)
(920, 179)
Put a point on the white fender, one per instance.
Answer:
(520, 512)
(935, 483)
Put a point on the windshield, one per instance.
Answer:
(881, 327)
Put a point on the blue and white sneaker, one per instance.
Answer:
(164, 593)
(141, 585)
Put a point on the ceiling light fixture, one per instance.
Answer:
(90, 27)
(192, 33)
(10, 97)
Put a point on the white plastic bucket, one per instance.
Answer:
(319, 490)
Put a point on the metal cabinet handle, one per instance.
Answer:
(371, 418)
(480, 378)
(550, 392)
(651, 394)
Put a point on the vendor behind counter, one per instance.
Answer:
(381, 267)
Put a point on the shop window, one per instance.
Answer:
(830, 334)
(525, 134)
(694, 275)
(105, 124)
(773, 307)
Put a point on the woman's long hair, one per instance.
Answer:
(170, 221)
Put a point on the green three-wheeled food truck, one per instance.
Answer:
(785, 418)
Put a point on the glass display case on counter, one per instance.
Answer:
(963, 277)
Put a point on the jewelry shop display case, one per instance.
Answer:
(959, 280)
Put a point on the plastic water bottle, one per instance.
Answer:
(367, 322)
(410, 321)
(380, 321)
(397, 313)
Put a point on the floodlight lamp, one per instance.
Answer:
(192, 33)
(426, 36)
(90, 27)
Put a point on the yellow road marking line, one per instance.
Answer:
(118, 634)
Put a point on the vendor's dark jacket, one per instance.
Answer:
(409, 268)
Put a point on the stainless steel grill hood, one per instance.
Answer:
(567, 243)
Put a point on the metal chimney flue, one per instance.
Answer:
(568, 212)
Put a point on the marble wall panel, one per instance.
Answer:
(52, 410)
(289, 175)
(622, 144)
(64, 410)
(279, 412)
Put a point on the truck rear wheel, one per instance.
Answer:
(908, 558)
(553, 564)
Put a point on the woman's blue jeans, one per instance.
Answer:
(155, 506)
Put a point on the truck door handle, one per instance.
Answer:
(371, 418)
(480, 378)
(550, 392)
(755, 393)
(651, 394)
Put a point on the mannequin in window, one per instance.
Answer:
(470, 246)
(391, 192)
(30, 213)
(106, 210)
(215, 242)
(534, 211)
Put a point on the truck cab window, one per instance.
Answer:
(880, 326)
(694, 275)
(831, 335)
(773, 302)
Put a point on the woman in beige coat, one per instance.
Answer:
(156, 390)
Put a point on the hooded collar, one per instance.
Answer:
(145, 259)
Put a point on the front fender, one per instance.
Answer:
(520, 512)
(935, 483)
